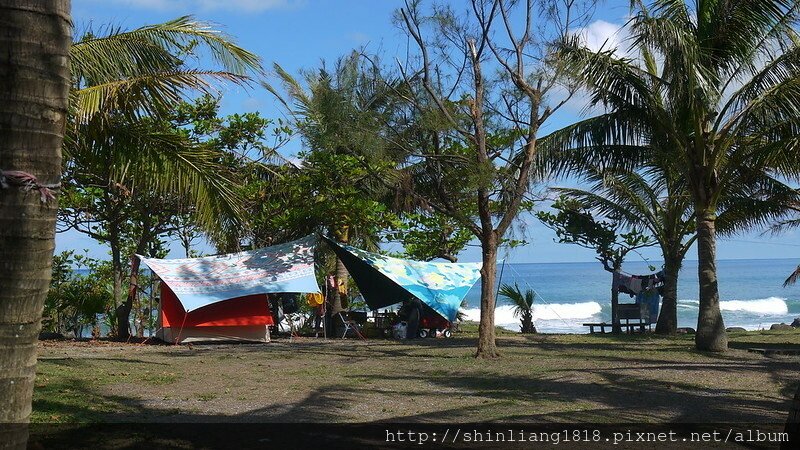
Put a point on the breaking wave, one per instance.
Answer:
(504, 314)
(761, 306)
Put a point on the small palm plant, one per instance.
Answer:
(523, 305)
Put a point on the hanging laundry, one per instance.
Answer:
(635, 284)
(651, 299)
(627, 284)
(620, 283)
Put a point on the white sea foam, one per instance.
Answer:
(569, 317)
(764, 306)
(504, 314)
(759, 306)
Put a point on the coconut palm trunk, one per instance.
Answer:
(792, 426)
(668, 315)
(34, 87)
(711, 334)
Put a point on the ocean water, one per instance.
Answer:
(570, 294)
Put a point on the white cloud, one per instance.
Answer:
(604, 35)
(252, 103)
(244, 6)
(358, 37)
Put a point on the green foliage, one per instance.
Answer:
(245, 136)
(574, 224)
(130, 140)
(74, 299)
(339, 187)
(429, 236)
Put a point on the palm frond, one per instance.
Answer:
(155, 48)
(146, 69)
(137, 155)
(146, 94)
(522, 302)
(792, 279)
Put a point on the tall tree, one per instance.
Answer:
(481, 85)
(124, 82)
(338, 112)
(114, 197)
(34, 91)
(724, 107)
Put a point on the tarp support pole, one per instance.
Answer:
(180, 331)
(500, 280)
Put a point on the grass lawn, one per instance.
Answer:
(540, 378)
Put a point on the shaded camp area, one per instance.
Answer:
(385, 281)
(224, 296)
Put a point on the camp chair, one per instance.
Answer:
(349, 324)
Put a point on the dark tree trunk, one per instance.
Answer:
(487, 348)
(122, 328)
(124, 309)
(527, 323)
(711, 334)
(34, 87)
(615, 325)
(615, 322)
(668, 316)
(337, 305)
(793, 424)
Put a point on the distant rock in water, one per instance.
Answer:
(685, 330)
(48, 336)
(781, 326)
(734, 329)
(796, 322)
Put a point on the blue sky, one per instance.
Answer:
(299, 34)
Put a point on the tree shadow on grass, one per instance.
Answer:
(626, 389)
(615, 399)
(83, 362)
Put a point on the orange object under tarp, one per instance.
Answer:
(314, 300)
(248, 310)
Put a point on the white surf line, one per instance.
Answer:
(540, 297)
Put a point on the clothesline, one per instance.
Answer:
(637, 275)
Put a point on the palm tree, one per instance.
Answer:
(523, 305)
(338, 114)
(722, 112)
(124, 82)
(34, 91)
(654, 201)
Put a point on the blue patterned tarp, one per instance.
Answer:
(198, 282)
(441, 286)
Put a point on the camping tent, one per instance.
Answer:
(384, 281)
(223, 297)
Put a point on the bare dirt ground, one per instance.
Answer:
(541, 378)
